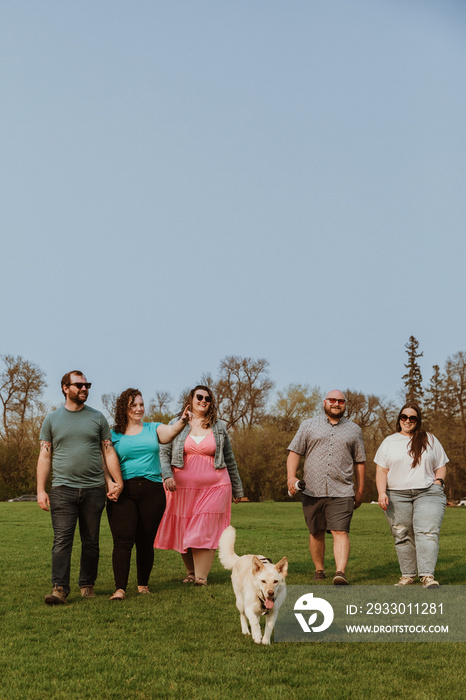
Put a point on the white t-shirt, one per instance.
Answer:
(393, 455)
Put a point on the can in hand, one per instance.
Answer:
(299, 486)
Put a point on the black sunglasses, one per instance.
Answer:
(408, 419)
(79, 385)
(207, 398)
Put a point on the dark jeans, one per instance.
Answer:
(69, 505)
(134, 519)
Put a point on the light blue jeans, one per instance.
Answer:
(415, 517)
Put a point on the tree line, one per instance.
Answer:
(261, 422)
(21, 387)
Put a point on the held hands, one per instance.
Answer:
(114, 490)
(170, 484)
(383, 501)
(43, 500)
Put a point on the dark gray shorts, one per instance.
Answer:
(327, 513)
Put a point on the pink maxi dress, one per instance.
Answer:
(199, 510)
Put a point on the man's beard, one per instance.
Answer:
(79, 401)
(334, 415)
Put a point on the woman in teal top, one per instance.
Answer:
(135, 517)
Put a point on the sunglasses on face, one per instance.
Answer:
(207, 398)
(79, 385)
(340, 402)
(408, 419)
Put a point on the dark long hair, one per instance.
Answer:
(211, 415)
(420, 439)
(123, 402)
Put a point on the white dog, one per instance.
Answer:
(259, 586)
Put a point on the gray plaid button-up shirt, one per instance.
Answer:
(330, 452)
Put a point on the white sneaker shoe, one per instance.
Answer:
(429, 582)
(406, 581)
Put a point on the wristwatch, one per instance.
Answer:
(441, 481)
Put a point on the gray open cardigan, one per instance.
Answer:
(172, 455)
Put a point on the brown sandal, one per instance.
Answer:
(118, 595)
(200, 581)
(190, 578)
(143, 589)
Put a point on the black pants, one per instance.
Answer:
(134, 519)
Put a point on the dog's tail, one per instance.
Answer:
(226, 548)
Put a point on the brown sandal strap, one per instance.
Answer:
(200, 581)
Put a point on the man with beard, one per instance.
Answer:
(75, 439)
(333, 449)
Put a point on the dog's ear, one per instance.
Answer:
(257, 565)
(282, 566)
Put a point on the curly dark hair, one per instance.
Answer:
(123, 402)
(211, 415)
(420, 440)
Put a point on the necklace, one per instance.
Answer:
(197, 426)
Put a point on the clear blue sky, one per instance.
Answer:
(190, 179)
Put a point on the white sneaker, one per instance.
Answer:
(429, 582)
(406, 581)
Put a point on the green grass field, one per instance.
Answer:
(186, 642)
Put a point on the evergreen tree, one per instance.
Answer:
(435, 395)
(413, 377)
(439, 411)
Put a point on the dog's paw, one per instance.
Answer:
(265, 641)
(257, 640)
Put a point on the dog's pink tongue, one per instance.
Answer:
(268, 604)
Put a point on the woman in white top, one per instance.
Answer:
(410, 472)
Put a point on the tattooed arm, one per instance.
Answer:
(44, 464)
(112, 470)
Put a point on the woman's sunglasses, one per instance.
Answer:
(408, 419)
(207, 398)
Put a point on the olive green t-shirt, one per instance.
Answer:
(76, 438)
